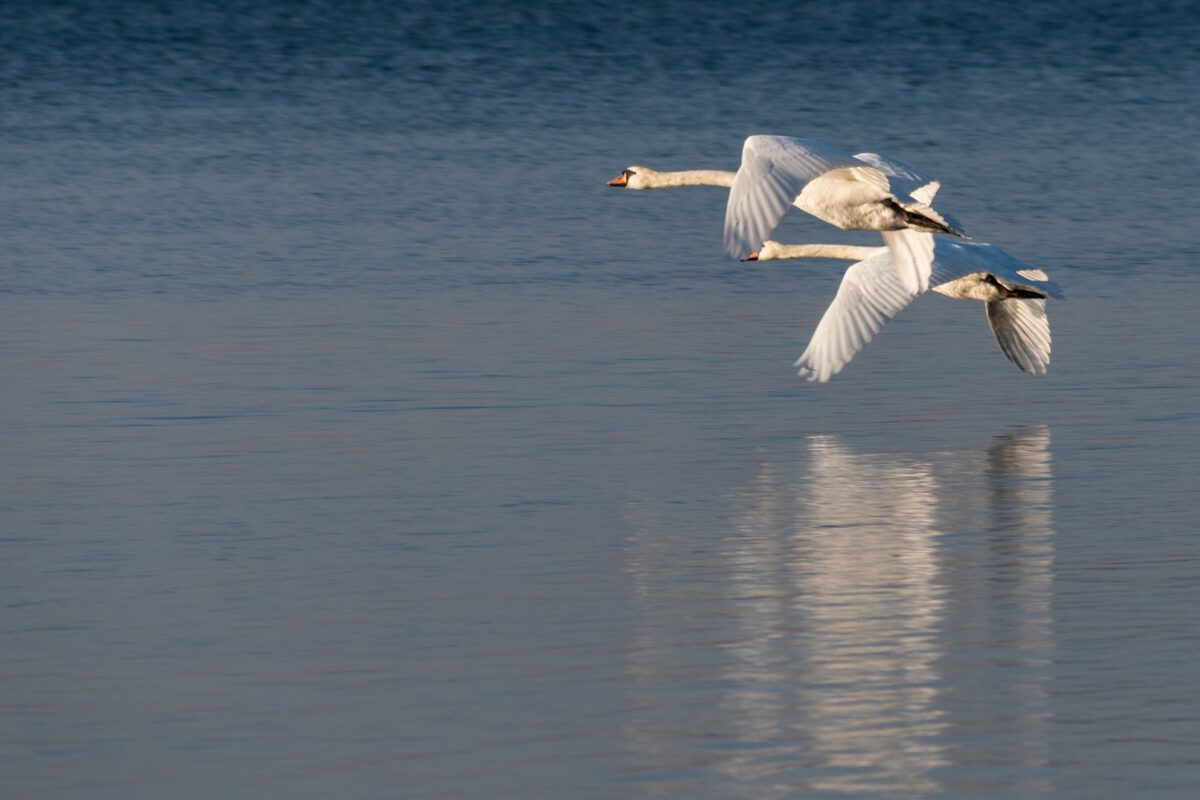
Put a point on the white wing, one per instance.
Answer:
(774, 170)
(870, 294)
(1022, 331)
(903, 179)
(913, 257)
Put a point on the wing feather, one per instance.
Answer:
(869, 296)
(903, 179)
(908, 183)
(1022, 330)
(912, 257)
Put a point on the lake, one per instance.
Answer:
(360, 442)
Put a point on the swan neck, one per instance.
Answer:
(843, 251)
(693, 177)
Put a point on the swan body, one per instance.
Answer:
(870, 294)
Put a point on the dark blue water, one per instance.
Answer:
(359, 442)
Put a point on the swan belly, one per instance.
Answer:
(850, 204)
(975, 286)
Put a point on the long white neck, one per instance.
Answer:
(844, 251)
(688, 177)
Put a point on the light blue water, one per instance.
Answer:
(359, 442)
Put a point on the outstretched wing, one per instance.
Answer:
(1022, 330)
(869, 296)
(910, 184)
(912, 258)
(773, 172)
(903, 179)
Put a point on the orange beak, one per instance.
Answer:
(752, 257)
(620, 180)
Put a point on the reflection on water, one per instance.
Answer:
(854, 657)
(1003, 627)
(330, 366)
(860, 570)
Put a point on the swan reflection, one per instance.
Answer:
(863, 598)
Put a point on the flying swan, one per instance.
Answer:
(1014, 295)
(853, 192)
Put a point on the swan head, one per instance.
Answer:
(768, 252)
(635, 177)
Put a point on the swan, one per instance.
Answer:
(1014, 295)
(856, 192)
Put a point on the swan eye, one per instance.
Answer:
(628, 173)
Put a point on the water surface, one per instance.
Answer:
(359, 442)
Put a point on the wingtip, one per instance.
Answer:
(914, 284)
(809, 374)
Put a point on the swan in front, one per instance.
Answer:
(866, 191)
(1014, 295)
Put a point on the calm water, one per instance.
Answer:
(358, 442)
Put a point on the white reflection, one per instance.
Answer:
(862, 597)
(860, 572)
(1003, 612)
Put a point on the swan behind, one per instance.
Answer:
(870, 294)
(866, 191)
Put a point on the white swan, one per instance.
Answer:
(870, 294)
(859, 192)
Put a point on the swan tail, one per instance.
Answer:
(1048, 287)
(924, 218)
